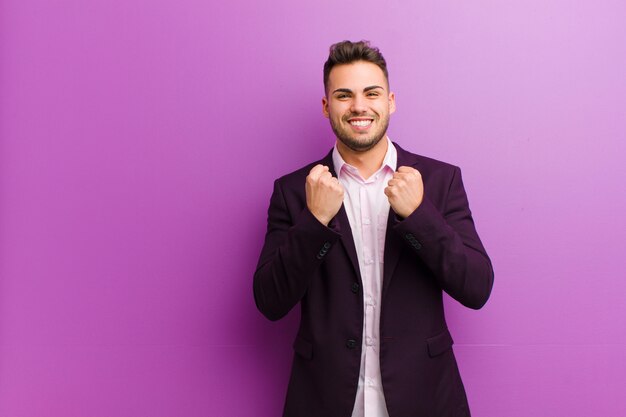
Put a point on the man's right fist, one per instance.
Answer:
(324, 194)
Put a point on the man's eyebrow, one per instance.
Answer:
(365, 90)
(342, 90)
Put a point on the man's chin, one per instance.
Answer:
(363, 145)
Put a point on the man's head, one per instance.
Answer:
(357, 98)
(347, 52)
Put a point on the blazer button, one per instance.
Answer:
(351, 343)
(355, 287)
(326, 245)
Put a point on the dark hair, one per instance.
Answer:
(347, 52)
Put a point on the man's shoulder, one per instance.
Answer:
(422, 162)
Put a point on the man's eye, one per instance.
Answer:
(373, 94)
(342, 96)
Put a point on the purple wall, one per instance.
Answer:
(138, 145)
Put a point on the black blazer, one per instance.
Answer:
(436, 248)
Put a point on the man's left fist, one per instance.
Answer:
(405, 191)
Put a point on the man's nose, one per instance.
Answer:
(358, 104)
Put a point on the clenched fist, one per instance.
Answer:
(405, 191)
(324, 194)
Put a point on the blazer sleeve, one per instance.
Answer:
(449, 245)
(292, 253)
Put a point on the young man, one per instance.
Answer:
(365, 240)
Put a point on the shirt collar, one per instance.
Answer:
(390, 160)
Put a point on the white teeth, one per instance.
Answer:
(360, 122)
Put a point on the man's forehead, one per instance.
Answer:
(356, 75)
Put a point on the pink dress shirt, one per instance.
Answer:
(367, 208)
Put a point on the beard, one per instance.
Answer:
(360, 143)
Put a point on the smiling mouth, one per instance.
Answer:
(360, 122)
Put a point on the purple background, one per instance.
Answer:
(139, 140)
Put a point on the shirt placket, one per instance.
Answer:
(368, 223)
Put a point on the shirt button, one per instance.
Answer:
(366, 221)
(369, 341)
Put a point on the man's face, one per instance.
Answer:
(358, 104)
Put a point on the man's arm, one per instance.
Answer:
(448, 244)
(294, 250)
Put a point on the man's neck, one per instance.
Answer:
(367, 162)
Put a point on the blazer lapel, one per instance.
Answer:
(341, 223)
(393, 247)
(393, 241)
(347, 239)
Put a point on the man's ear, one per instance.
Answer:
(325, 107)
(392, 102)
